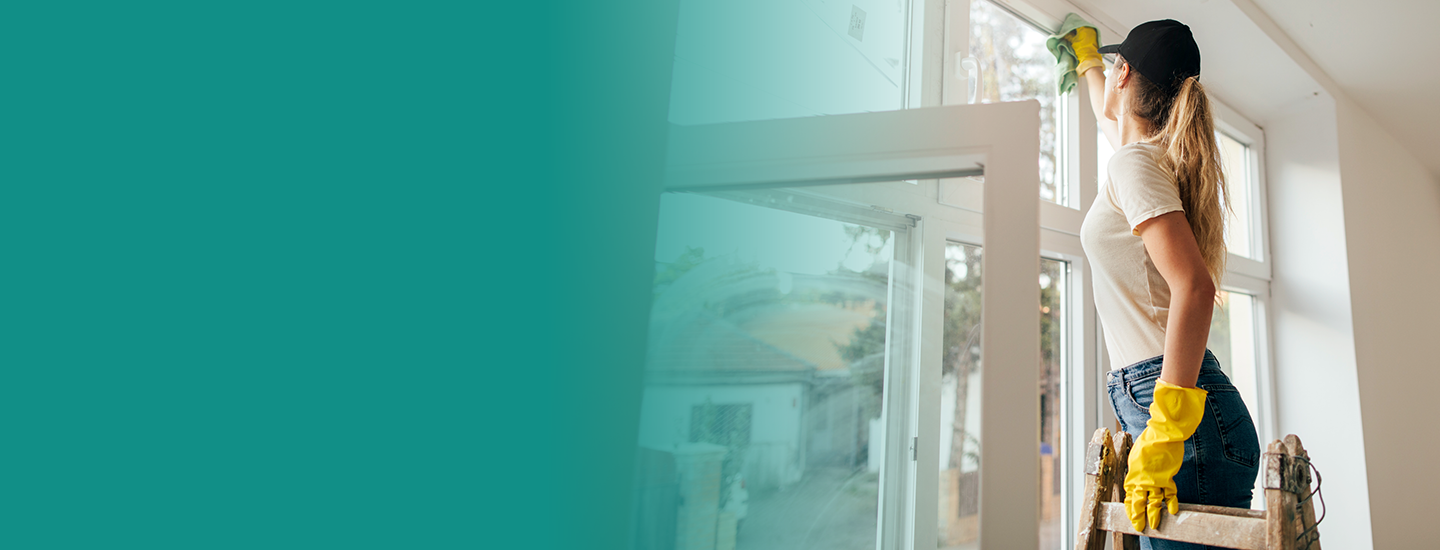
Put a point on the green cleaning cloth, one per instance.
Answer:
(1064, 54)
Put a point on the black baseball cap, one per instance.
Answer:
(1164, 51)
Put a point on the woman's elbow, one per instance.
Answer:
(1198, 288)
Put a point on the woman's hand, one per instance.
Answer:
(1087, 51)
(1175, 412)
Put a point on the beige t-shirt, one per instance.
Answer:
(1133, 300)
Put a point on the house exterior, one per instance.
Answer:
(752, 397)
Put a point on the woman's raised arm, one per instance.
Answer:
(1095, 78)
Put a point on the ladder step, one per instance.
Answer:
(1212, 525)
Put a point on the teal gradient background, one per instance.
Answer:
(326, 274)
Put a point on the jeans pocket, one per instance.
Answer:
(1237, 429)
(1142, 391)
(1132, 418)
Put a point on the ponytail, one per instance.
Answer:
(1189, 142)
(1185, 128)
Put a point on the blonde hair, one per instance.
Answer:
(1185, 128)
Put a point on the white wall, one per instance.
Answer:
(1355, 234)
(775, 417)
(1392, 228)
(1315, 382)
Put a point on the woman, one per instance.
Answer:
(1155, 240)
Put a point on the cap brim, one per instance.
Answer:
(1113, 48)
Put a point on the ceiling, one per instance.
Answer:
(1379, 52)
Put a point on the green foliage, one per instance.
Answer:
(1014, 65)
(963, 291)
(669, 273)
(962, 308)
(864, 353)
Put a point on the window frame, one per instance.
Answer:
(1240, 129)
(1253, 275)
(1002, 140)
(1084, 406)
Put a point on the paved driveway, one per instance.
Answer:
(829, 509)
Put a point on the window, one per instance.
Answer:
(1232, 341)
(1054, 320)
(1014, 65)
(755, 59)
(959, 438)
(765, 379)
(1008, 49)
(1235, 162)
(1239, 330)
(847, 446)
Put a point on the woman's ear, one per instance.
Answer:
(1122, 75)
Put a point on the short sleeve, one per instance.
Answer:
(1140, 188)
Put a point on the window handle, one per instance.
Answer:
(971, 68)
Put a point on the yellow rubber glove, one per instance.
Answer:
(1087, 52)
(1156, 456)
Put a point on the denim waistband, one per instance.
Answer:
(1150, 368)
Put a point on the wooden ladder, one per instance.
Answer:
(1278, 527)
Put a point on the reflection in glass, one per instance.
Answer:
(1014, 65)
(762, 421)
(959, 525)
(1054, 280)
(1235, 161)
(738, 60)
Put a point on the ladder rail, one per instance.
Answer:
(1287, 478)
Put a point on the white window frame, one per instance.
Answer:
(999, 140)
(1253, 276)
(1232, 124)
(1084, 406)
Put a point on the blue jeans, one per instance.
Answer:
(1221, 458)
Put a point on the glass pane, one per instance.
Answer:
(1235, 161)
(1232, 340)
(1014, 65)
(1054, 280)
(959, 525)
(761, 420)
(759, 59)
